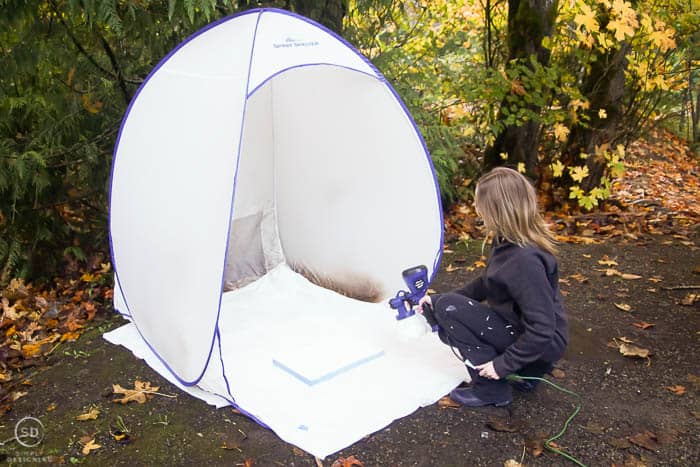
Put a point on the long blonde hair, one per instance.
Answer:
(507, 203)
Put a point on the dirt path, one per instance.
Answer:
(631, 414)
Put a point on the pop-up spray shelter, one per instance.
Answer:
(266, 156)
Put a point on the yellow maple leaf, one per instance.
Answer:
(561, 132)
(663, 39)
(625, 21)
(90, 445)
(521, 167)
(578, 173)
(620, 28)
(575, 192)
(578, 104)
(138, 394)
(557, 169)
(90, 415)
(587, 19)
(602, 114)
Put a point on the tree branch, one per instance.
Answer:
(77, 44)
(115, 66)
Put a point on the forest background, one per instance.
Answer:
(558, 89)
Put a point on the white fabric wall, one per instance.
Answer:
(355, 192)
(171, 193)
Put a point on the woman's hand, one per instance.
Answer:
(424, 299)
(487, 370)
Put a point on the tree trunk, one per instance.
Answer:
(330, 13)
(604, 87)
(529, 21)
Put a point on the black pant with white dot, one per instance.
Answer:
(479, 334)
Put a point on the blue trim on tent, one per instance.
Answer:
(232, 399)
(328, 31)
(269, 78)
(438, 256)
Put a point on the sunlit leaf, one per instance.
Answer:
(677, 389)
(90, 415)
(138, 394)
(632, 350)
(89, 446)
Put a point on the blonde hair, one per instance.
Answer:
(507, 203)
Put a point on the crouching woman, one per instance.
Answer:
(522, 327)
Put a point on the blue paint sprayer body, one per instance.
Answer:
(416, 278)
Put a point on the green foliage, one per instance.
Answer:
(69, 70)
(71, 67)
(418, 47)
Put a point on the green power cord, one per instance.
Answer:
(568, 420)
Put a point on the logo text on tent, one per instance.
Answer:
(291, 42)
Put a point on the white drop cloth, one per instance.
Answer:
(284, 314)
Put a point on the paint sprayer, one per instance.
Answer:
(416, 278)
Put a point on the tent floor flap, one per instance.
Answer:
(366, 373)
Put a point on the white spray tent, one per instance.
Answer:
(262, 147)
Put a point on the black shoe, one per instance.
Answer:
(466, 397)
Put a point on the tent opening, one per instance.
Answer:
(308, 191)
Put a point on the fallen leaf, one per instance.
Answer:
(70, 336)
(655, 279)
(690, 299)
(630, 276)
(535, 443)
(512, 463)
(643, 325)
(138, 394)
(620, 443)
(631, 350)
(579, 277)
(90, 446)
(447, 403)
(451, 268)
(631, 461)
(646, 439)
(677, 389)
(594, 428)
(30, 350)
(90, 415)
(120, 437)
(558, 373)
(503, 425)
(347, 462)
(607, 261)
(614, 272)
(623, 307)
(52, 406)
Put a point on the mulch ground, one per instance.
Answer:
(637, 410)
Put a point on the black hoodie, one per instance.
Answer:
(521, 284)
